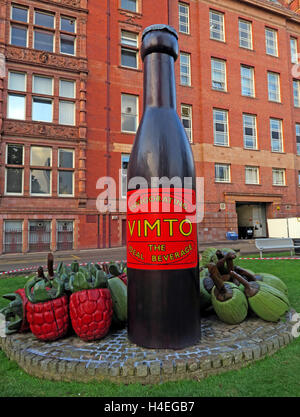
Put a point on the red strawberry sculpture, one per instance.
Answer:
(91, 307)
(47, 309)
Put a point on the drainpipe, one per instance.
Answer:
(108, 109)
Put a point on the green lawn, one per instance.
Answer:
(277, 376)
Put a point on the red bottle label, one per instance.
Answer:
(161, 229)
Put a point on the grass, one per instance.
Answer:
(276, 376)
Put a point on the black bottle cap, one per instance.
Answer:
(160, 38)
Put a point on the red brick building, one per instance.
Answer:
(71, 98)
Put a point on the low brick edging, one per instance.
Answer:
(118, 360)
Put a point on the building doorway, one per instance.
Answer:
(252, 220)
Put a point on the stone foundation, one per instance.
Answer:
(222, 348)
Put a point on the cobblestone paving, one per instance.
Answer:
(222, 347)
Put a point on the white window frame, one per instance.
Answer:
(186, 15)
(49, 32)
(277, 86)
(253, 126)
(249, 32)
(252, 80)
(25, 80)
(61, 169)
(131, 48)
(282, 171)
(123, 175)
(294, 50)
(19, 6)
(21, 167)
(226, 130)
(25, 105)
(188, 66)
(275, 32)
(280, 140)
(297, 142)
(75, 43)
(222, 24)
(252, 169)
(131, 11)
(125, 114)
(296, 96)
(223, 71)
(226, 181)
(190, 118)
(10, 34)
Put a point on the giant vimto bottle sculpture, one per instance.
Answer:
(162, 250)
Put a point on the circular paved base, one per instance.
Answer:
(222, 347)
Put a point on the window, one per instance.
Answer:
(222, 173)
(218, 74)
(65, 173)
(298, 138)
(250, 131)
(18, 33)
(67, 41)
(185, 69)
(298, 177)
(18, 36)
(278, 176)
(13, 236)
(64, 235)
(40, 171)
(245, 34)
(16, 103)
(271, 42)
(221, 136)
(276, 135)
(130, 5)
(184, 24)
(294, 50)
(296, 88)
(44, 34)
(19, 13)
(68, 24)
(124, 166)
(186, 118)
(42, 106)
(129, 113)
(14, 169)
(247, 81)
(252, 175)
(129, 53)
(44, 19)
(67, 107)
(216, 23)
(274, 87)
(43, 39)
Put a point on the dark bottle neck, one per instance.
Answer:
(159, 81)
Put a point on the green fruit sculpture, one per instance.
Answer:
(229, 302)
(267, 302)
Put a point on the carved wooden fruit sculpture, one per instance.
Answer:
(267, 302)
(118, 271)
(47, 309)
(229, 302)
(15, 312)
(273, 281)
(119, 298)
(208, 256)
(91, 306)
